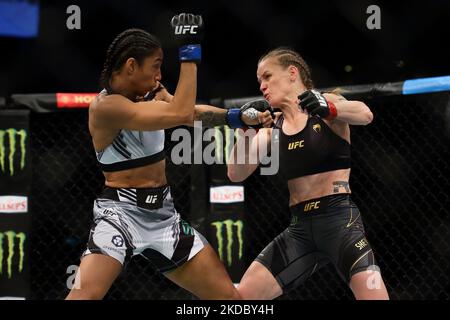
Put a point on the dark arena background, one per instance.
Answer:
(392, 56)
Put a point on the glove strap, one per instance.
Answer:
(190, 52)
(233, 118)
(333, 111)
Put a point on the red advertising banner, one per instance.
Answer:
(74, 100)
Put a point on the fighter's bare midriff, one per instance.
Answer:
(150, 176)
(317, 185)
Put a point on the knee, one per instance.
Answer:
(231, 294)
(378, 294)
(246, 293)
(249, 290)
(234, 295)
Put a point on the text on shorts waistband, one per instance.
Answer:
(147, 198)
(319, 205)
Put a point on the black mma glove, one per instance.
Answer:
(313, 102)
(188, 32)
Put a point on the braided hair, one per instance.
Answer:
(287, 57)
(131, 43)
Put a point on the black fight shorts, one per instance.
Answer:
(322, 230)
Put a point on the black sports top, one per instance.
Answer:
(314, 149)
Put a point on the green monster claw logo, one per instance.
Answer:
(229, 224)
(10, 237)
(220, 146)
(10, 135)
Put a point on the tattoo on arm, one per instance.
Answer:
(340, 184)
(211, 119)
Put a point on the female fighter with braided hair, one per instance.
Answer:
(135, 213)
(314, 157)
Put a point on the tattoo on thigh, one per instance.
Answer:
(340, 184)
(212, 119)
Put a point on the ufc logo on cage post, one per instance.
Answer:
(74, 280)
(184, 29)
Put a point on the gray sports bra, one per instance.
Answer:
(132, 149)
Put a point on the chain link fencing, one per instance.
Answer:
(400, 181)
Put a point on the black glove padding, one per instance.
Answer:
(260, 105)
(187, 28)
(313, 102)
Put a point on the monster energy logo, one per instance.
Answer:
(8, 157)
(229, 224)
(9, 238)
(220, 147)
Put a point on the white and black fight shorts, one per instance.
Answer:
(144, 221)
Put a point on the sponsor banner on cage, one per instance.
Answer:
(15, 177)
(13, 204)
(74, 100)
(226, 194)
(14, 270)
(15, 152)
(227, 237)
(226, 221)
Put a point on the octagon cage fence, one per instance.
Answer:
(400, 181)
